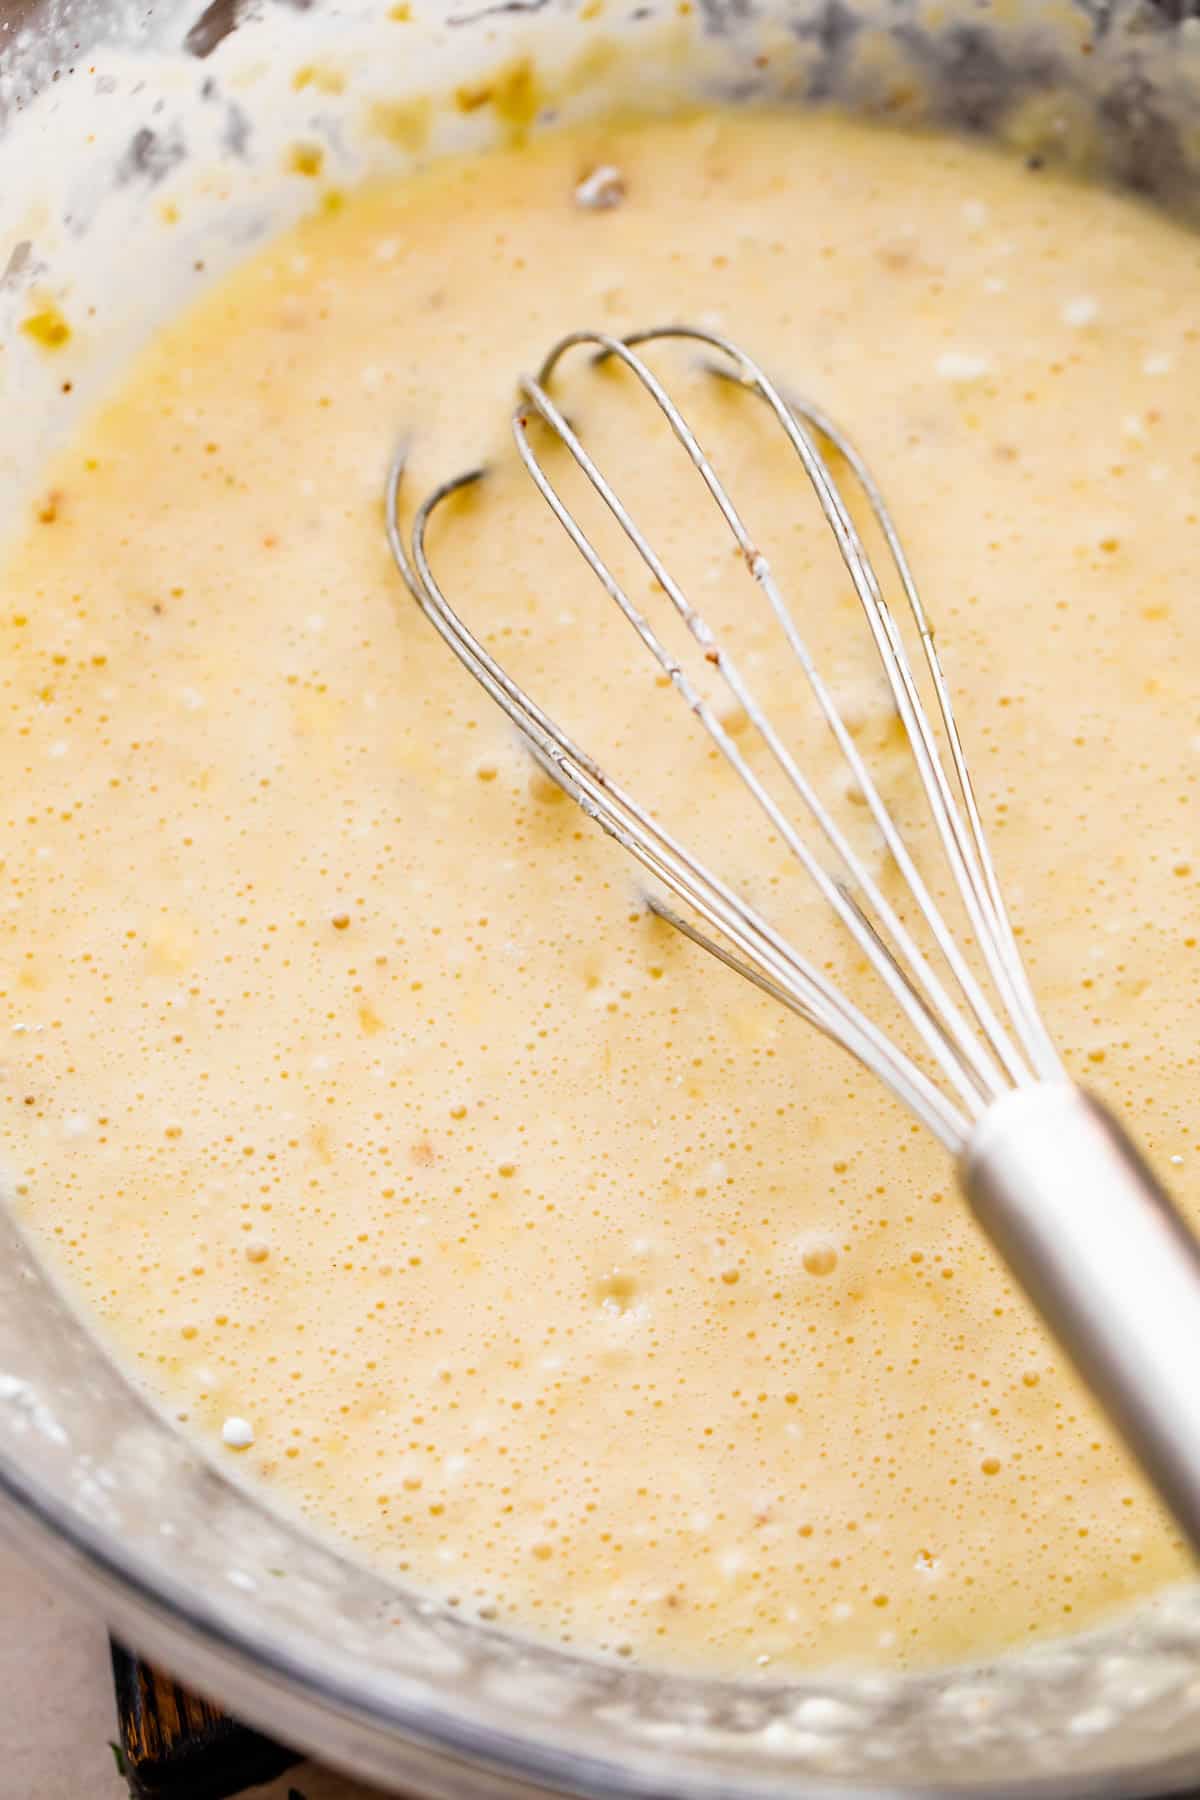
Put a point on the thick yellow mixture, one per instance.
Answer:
(346, 1075)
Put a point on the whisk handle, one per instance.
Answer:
(1101, 1250)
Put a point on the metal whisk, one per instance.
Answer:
(1051, 1176)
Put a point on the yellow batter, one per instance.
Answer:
(346, 1077)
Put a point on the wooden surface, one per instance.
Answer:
(178, 1747)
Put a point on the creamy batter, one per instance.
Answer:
(408, 1160)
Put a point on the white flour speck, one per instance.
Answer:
(1080, 311)
(961, 365)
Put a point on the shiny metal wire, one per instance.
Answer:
(978, 1037)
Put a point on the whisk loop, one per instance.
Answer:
(978, 1046)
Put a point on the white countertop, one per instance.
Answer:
(56, 1702)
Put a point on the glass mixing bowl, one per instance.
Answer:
(107, 107)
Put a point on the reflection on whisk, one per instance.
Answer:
(1054, 1180)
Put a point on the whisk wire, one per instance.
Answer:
(984, 906)
(978, 1070)
(977, 1066)
(977, 865)
(962, 1061)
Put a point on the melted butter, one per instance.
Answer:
(349, 1081)
(47, 327)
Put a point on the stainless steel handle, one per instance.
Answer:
(1104, 1255)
